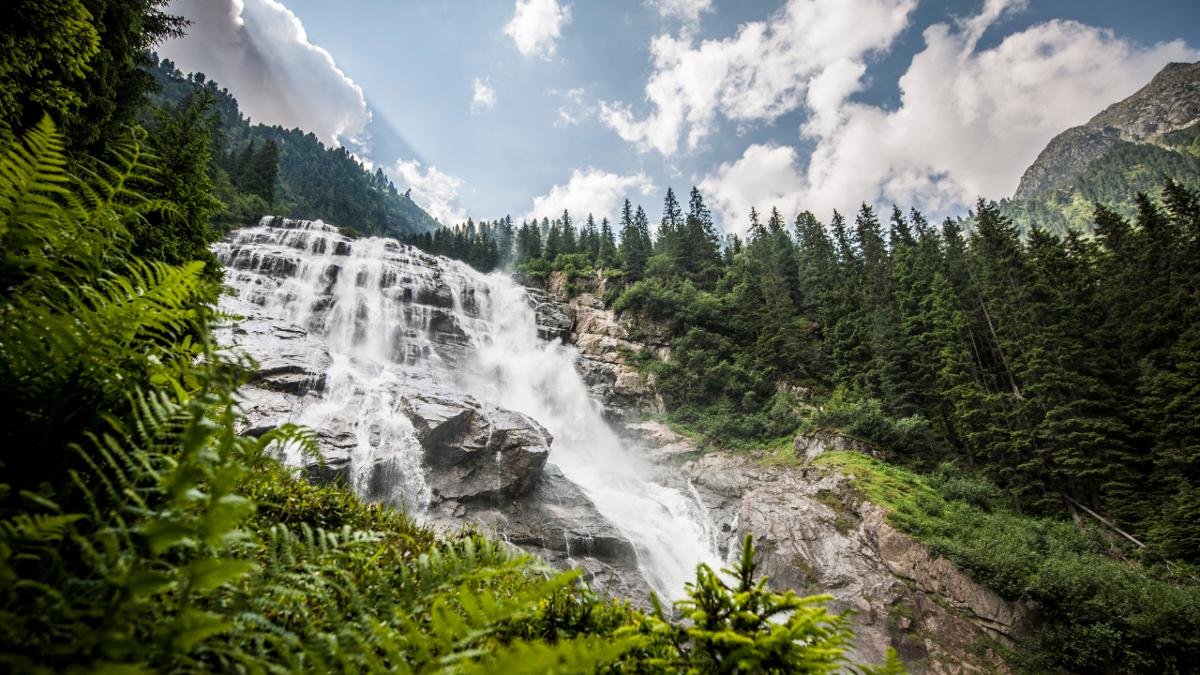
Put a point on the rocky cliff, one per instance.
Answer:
(815, 533)
(1168, 103)
(574, 311)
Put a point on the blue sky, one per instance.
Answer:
(525, 107)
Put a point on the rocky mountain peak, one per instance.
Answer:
(1169, 102)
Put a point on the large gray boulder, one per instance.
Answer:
(558, 523)
(476, 451)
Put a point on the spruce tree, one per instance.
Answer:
(633, 252)
(670, 229)
(569, 240)
(606, 254)
(699, 245)
(589, 239)
(554, 242)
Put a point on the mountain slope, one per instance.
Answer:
(1129, 147)
(313, 181)
(1170, 102)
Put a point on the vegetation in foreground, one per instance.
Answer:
(139, 532)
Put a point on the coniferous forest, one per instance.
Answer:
(978, 345)
(1032, 398)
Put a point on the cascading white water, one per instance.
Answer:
(514, 367)
(376, 306)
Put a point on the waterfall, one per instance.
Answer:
(387, 313)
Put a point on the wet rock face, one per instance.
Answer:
(559, 524)
(476, 451)
(815, 534)
(553, 323)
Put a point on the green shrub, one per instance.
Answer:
(1094, 613)
(865, 419)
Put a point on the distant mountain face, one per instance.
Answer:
(1170, 102)
(314, 181)
(1131, 146)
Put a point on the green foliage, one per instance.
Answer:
(180, 142)
(741, 627)
(46, 49)
(866, 420)
(115, 89)
(261, 169)
(141, 533)
(1095, 613)
(127, 540)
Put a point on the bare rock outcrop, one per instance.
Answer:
(574, 311)
(816, 534)
(1169, 102)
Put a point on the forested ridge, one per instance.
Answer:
(140, 532)
(1113, 179)
(260, 169)
(1062, 367)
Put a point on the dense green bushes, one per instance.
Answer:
(866, 420)
(1095, 611)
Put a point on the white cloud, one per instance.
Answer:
(757, 75)
(968, 123)
(260, 51)
(432, 190)
(686, 11)
(590, 191)
(484, 96)
(765, 176)
(536, 26)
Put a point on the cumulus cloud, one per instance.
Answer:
(484, 96)
(760, 73)
(260, 51)
(536, 26)
(590, 191)
(686, 11)
(764, 176)
(968, 123)
(432, 190)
